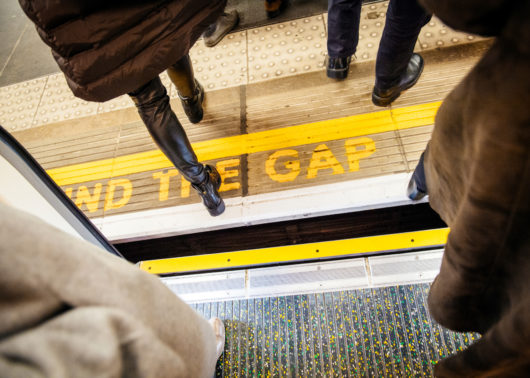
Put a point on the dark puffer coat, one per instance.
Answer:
(477, 168)
(109, 48)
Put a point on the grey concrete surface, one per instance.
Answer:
(12, 23)
(252, 12)
(23, 55)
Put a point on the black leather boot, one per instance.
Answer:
(193, 105)
(209, 191)
(152, 102)
(385, 96)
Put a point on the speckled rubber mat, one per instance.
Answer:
(369, 332)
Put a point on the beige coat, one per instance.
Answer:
(68, 309)
(477, 168)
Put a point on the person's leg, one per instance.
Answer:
(417, 188)
(153, 106)
(343, 27)
(190, 92)
(343, 35)
(397, 68)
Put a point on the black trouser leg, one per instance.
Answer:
(153, 106)
(419, 175)
(343, 27)
(404, 20)
(181, 74)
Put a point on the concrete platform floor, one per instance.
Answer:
(23, 55)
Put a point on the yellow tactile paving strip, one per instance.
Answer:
(254, 55)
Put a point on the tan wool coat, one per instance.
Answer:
(69, 309)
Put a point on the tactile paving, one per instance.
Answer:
(59, 104)
(19, 103)
(370, 30)
(285, 49)
(221, 66)
(244, 57)
(117, 103)
(437, 35)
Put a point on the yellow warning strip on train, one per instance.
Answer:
(290, 136)
(297, 253)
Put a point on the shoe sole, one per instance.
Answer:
(221, 36)
(337, 74)
(385, 101)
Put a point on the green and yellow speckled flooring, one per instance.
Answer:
(367, 332)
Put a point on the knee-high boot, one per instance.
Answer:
(190, 91)
(153, 106)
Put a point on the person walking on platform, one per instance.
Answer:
(397, 67)
(476, 171)
(107, 49)
(70, 309)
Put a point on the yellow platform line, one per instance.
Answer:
(290, 136)
(301, 252)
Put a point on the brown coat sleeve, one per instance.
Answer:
(478, 175)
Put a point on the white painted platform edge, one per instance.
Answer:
(336, 198)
